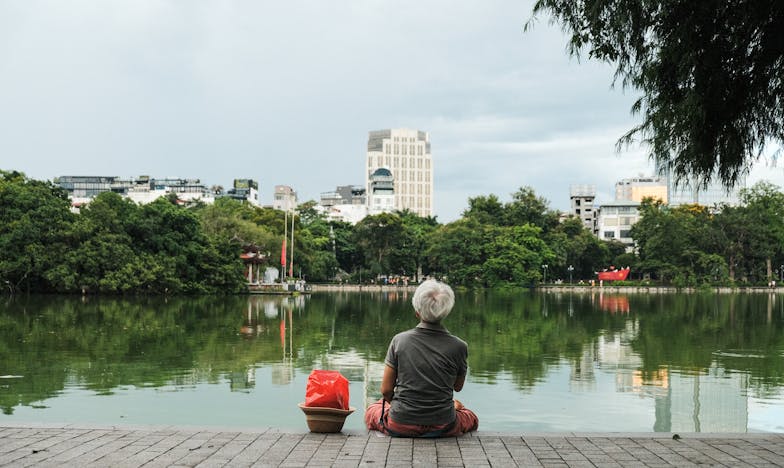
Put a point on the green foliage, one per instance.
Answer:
(709, 73)
(35, 223)
(112, 246)
(116, 246)
(689, 245)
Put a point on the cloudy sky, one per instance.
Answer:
(285, 92)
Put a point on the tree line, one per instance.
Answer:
(116, 246)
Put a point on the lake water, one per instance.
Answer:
(537, 361)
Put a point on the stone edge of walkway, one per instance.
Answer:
(268, 429)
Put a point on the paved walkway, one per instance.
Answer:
(45, 445)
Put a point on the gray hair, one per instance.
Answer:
(433, 301)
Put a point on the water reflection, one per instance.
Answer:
(537, 361)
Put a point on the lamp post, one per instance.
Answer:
(544, 269)
(571, 269)
(781, 274)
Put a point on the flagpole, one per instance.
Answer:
(283, 249)
(291, 264)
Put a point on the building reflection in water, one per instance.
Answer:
(686, 400)
(353, 364)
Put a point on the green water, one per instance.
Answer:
(537, 362)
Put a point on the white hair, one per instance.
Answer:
(433, 301)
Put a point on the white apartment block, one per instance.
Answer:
(616, 220)
(145, 189)
(406, 154)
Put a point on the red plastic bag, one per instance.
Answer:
(328, 389)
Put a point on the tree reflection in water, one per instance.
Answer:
(687, 352)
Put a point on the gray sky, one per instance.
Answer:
(285, 92)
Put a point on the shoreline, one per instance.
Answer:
(561, 288)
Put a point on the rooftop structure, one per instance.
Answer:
(381, 191)
(284, 198)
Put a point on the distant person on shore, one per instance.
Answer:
(424, 367)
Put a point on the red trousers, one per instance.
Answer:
(465, 421)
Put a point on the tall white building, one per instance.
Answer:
(406, 154)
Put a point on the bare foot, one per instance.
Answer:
(458, 405)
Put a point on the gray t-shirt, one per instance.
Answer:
(428, 360)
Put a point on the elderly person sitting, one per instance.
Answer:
(424, 366)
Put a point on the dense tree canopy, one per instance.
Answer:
(710, 73)
(116, 246)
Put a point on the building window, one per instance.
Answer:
(626, 234)
(609, 234)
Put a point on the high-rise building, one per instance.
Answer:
(685, 192)
(581, 198)
(637, 188)
(406, 155)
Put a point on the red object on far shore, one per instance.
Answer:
(614, 275)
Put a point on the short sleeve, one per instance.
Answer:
(463, 364)
(391, 359)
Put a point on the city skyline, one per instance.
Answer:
(286, 93)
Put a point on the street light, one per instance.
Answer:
(544, 268)
(571, 269)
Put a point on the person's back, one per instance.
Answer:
(424, 366)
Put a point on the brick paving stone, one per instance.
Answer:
(171, 447)
(65, 442)
(346, 464)
(101, 438)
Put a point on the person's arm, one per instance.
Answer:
(388, 383)
(459, 381)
